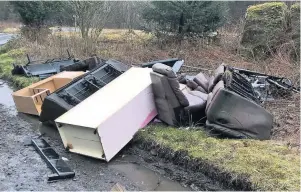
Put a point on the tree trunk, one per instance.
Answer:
(181, 23)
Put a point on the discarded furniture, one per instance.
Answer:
(175, 63)
(233, 107)
(266, 86)
(84, 65)
(101, 125)
(230, 105)
(117, 65)
(30, 99)
(233, 81)
(58, 166)
(80, 89)
(42, 69)
(235, 115)
(92, 63)
(175, 105)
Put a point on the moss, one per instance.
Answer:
(296, 7)
(265, 9)
(6, 60)
(265, 28)
(11, 30)
(269, 165)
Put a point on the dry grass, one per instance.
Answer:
(9, 27)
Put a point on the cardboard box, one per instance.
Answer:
(101, 125)
(30, 99)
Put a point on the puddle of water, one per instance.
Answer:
(145, 178)
(6, 98)
(48, 130)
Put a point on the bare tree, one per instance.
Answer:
(91, 16)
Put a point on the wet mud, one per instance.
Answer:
(21, 167)
(195, 171)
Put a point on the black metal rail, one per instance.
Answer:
(58, 166)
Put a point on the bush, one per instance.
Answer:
(38, 34)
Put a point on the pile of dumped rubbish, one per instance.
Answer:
(98, 105)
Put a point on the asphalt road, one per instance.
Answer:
(5, 37)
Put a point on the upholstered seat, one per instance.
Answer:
(229, 107)
(176, 106)
(236, 116)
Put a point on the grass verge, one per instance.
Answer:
(263, 165)
(6, 60)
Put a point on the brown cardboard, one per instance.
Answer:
(30, 99)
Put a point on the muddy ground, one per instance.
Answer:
(21, 168)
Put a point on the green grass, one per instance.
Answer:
(10, 30)
(7, 58)
(269, 165)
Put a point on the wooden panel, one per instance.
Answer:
(60, 82)
(120, 128)
(25, 105)
(25, 92)
(81, 140)
(39, 98)
(47, 85)
(65, 77)
(105, 102)
(29, 100)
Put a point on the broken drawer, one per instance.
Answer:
(101, 125)
(30, 99)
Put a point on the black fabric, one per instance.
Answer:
(53, 107)
(182, 79)
(224, 131)
(191, 84)
(18, 70)
(232, 111)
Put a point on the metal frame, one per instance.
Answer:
(86, 91)
(240, 85)
(58, 166)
